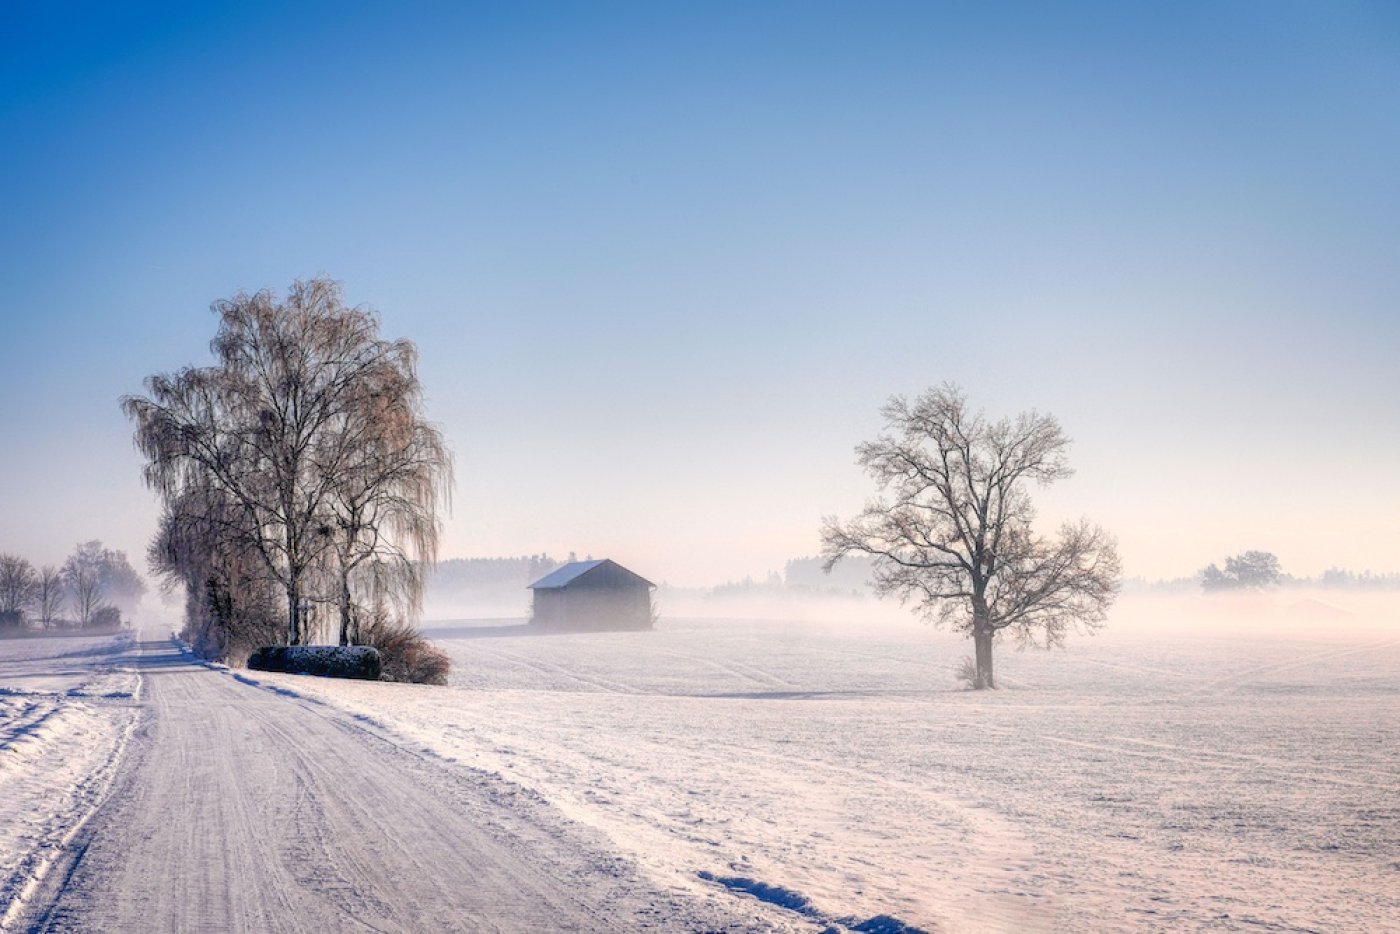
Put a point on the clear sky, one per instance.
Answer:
(664, 261)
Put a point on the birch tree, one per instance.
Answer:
(278, 429)
(230, 599)
(950, 530)
(385, 501)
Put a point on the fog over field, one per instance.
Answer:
(1200, 765)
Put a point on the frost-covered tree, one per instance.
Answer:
(385, 497)
(231, 602)
(951, 528)
(295, 437)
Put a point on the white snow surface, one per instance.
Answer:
(233, 808)
(1197, 766)
(66, 705)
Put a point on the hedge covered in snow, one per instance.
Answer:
(327, 661)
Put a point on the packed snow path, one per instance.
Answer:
(239, 809)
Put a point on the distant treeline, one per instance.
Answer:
(89, 590)
(465, 573)
(849, 578)
(1331, 579)
(508, 577)
(493, 577)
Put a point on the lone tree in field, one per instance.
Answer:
(951, 529)
(303, 445)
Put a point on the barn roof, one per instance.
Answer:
(565, 575)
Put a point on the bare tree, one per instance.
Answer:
(83, 578)
(95, 575)
(17, 581)
(952, 530)
(49, 594)
(278, 429)
(385, 500)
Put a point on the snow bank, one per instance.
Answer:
(65, 715)
(327, 661)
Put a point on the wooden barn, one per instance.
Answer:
(592, 596)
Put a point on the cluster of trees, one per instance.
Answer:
(1253, 570)
(1260, 570)
(301, 483)
(93, 586)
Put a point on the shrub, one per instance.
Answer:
(327, 661)
(405, 654)
(967, 672)
(11, 619)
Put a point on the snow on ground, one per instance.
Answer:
(66, 706)
(1180, 771)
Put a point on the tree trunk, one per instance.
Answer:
(982, 633)
(293, 580)
(344, 609)
(293, 612)
(982, 641)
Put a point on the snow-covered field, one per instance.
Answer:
(1197, 766)
(65, 709)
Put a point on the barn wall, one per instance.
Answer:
(593, 608)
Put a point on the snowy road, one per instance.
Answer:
(239, 809)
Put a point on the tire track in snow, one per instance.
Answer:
(549, 668)
(737, 669)
(994, 861)
(1214, 759)
(1229, 684)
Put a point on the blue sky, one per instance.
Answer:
(664, 261)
